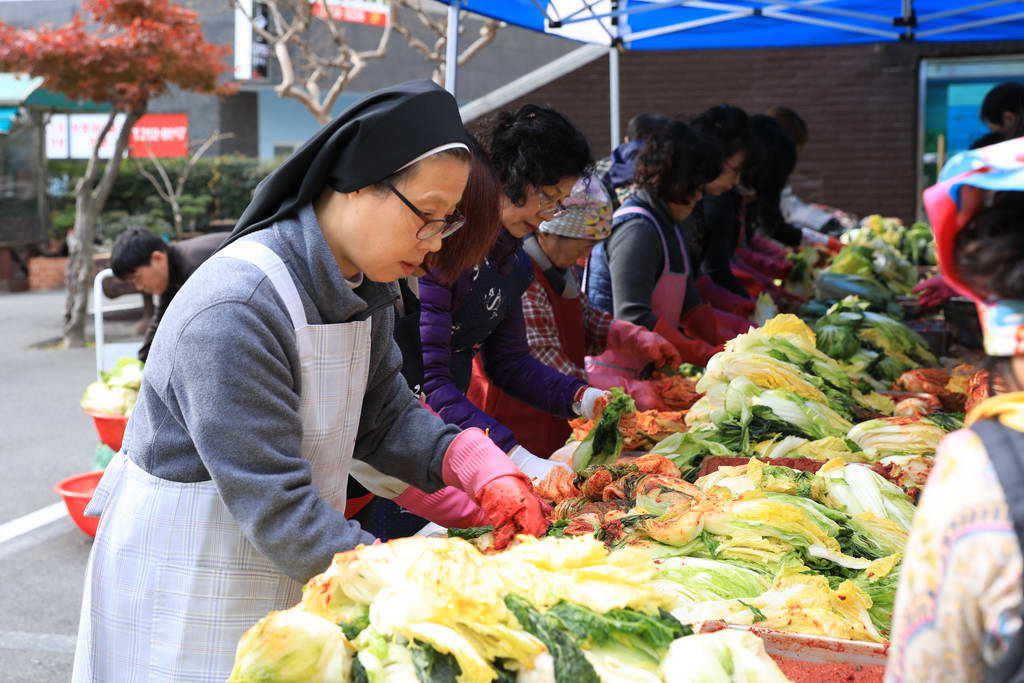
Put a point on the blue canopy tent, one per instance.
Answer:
(705, 24)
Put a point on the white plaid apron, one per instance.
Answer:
(172, 583)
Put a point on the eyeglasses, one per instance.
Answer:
(431, 227)
(549, 205)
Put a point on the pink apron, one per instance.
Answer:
(666, 302)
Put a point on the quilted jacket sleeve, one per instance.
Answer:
(454, 407)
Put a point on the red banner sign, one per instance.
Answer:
(165, 135)
(368, 12)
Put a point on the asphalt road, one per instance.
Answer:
(45, 437)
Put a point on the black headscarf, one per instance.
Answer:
(371, 140)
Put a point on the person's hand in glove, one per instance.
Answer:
(695, 351)
(713, 326)
(558, 485)
(533, 467)
(643, 393)
(513, 508)
(933, 291)
(813, 237)
(475, 465)
(641, 342)
(587, 401)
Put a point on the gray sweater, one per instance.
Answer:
(636, 260)
(220, 398)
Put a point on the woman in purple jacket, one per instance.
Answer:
(538, 156)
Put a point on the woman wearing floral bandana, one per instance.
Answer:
(959, 605)
(562, 328)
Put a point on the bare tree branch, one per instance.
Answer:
(162, 185)
(316, 58)
(439, 28)
(172, 192)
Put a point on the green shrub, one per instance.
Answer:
(218, 188)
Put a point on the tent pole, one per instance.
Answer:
(451, 48)
(908, 16)
(613, 94)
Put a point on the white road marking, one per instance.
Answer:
(32, 521)
(37, 642)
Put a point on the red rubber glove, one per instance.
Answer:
(695, 351)
(722, 298)
(641, 342)
(933, 291)
(475, 465)
(643, 392)
(772, 267)
(513, 508)
(713, 326)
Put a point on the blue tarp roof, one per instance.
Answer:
(7, 115)
(700, 24)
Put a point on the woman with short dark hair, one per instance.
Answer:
(711, 231)
(641, 273)
(538, 155)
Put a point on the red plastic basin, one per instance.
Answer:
(110, 428)
(77, 491)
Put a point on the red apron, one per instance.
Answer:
(666, 303)
(538, 432)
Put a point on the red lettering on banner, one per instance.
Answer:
(165, 135)
(350, 14)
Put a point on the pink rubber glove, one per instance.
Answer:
(763, 244)
(644, 395)
(449, 507)
(475, 465)
(933, 291)
(640, 341)
(643, 392)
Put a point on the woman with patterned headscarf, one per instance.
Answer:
(562, 328)
(959, 607)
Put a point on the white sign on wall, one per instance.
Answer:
(84, 130)
(73, 136)
(57, 137)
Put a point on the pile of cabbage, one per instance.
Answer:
(775, 382)
(916, 244)
(775, 393)
(873, 348)
(815, 553)
(546, 610)
(826, 546)
(877, 262)
(117, 390)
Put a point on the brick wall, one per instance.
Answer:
(45, 272)
(860, 103)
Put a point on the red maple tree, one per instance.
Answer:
(129, 52)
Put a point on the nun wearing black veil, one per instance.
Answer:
(272, 378)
